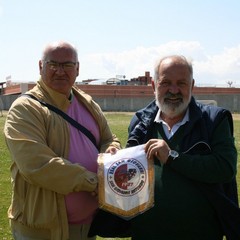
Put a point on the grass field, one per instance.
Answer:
(118, 123)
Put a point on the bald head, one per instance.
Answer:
(55, 46)
(173, 60)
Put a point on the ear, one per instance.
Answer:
(40, 65)
(193, 82)
(153, 85)
(78, 68)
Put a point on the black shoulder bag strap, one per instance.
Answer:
(67, 118)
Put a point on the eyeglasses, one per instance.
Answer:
(67, 66)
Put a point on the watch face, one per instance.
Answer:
(173, 153)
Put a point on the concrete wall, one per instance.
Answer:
(122, 104)
(8, 100)
(231, 103)
(132, 98)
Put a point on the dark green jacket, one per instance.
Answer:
(184, 203)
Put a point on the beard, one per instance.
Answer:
(172, 105)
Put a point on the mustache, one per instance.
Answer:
(171, 95)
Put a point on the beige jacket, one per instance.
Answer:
(38, 141)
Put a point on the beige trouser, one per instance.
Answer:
(21, 232)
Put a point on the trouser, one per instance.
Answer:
(79, 232)
(21, 232)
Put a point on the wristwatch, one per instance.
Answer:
(172, 154)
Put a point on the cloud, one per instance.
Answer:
(135, 62)
(220, 68)
(208, 69)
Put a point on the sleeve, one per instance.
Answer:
(218, 166)
(39, 159)
(135, 132)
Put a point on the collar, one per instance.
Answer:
(185, 119)
(71, 96)
(51, 96)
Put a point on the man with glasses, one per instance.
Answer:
(54, 164)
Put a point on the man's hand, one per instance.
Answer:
(111, 150)
(157, 148)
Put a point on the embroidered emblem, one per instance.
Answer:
(126, 177)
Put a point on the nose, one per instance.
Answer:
(174, 88)
(60, 69)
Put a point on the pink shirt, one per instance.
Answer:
(81, 205)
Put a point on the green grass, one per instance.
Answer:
(118, 123)
(5, 189)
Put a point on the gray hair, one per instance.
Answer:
(183, 59)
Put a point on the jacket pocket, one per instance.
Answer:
(40, 208)
(32, 205)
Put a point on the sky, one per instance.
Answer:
(123, 37)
